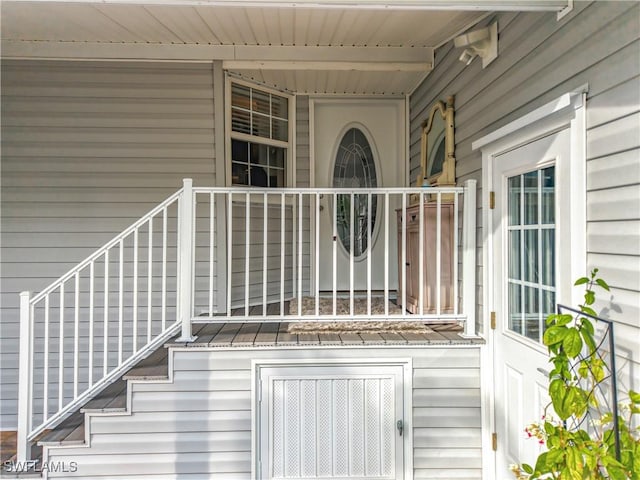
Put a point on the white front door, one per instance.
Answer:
(527, 275)
(331, 421)
(357, 143)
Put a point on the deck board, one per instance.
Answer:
(226, 335)
(246, 335)
(267, 334)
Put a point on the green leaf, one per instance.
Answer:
(588, 310)
(555, 335)
(602, 283)
(572, 343)
(589, 297)
(634, 396)
(581, 281)
(527, 468)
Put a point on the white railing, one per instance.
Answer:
(242, 254)
(96, 321)
(256, 250)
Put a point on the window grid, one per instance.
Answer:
(538, 288)
(259, 137)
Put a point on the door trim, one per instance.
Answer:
(566, 111)
(407, 407)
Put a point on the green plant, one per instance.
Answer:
(581, 453)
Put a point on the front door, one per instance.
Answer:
(357, 144)
(331, 421)
(526, 276)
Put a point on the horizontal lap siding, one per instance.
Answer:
(201, 422)
(87, 149)
(539, 59)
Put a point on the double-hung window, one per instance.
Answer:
(260, 146)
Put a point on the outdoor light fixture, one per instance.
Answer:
(482, 43)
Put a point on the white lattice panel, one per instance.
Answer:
(332, 425)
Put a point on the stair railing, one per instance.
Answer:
(92, 324)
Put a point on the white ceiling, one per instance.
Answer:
(333, 46)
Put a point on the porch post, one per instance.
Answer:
(185, 260)
(469, 258)
(24, 374)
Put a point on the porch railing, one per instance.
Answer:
(242, 254)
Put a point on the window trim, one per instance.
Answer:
(289, 146)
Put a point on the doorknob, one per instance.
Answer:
(400, 427)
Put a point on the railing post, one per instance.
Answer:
(25, 376)
(469, 258)
(185, 260)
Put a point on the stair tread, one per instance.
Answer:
(104, 398)
(161, 371)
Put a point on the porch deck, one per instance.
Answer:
(275, 334)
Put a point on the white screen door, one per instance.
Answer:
(331, 422)
(527, 274)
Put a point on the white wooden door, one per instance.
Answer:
(528, 273)
(351, 137)
(331, 421)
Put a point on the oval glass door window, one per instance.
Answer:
(355, 168)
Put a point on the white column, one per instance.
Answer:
(185, 253)
(24, 386)
(469, 258)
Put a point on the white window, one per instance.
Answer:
(259, 136)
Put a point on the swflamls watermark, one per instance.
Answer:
(36, 466)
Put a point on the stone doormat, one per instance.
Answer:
(360, 308)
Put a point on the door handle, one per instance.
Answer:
(400, 427)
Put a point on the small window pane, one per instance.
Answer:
(515, 308)
(239, 151)
(240, 121)
(259, 176)
(531, 255)
(261, 126)
(548, 257)
(280, 129)
(531, 313)
(261, 102)
(514, 200)
(548, 303)
(240, 173)
(240, 96)
(548, 195)
(530, 198)
(279, 107)
(276, 157)
(514, 255)
(259, 154)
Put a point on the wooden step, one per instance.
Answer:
(111, 399)
(152, 372)
(69, 432)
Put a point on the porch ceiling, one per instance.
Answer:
(331, 46)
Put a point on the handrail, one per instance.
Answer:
(121, 308)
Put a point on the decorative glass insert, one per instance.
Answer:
(259, 137)
(531, 251)
(355, 168)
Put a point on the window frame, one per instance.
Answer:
(289, 145)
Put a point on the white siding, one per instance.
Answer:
(541, 58)
(87, 149)
(204, 416)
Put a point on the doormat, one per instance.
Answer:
(358, 327)
(343, 308)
